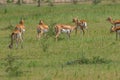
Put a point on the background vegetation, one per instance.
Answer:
(94, 56)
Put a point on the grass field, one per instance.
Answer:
(57, 62)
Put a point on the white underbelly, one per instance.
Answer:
(66, 30)
(118, 31)
(45, 30)
(117, 25)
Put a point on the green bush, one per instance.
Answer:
(94, 60)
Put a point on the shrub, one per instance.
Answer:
(94, 60)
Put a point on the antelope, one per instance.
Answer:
(62, 28)
(113, 22)
(16, 36)
(117, 30)
(82, 24)
(20, 27)
(41, 29)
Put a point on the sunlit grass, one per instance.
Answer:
(38, 64)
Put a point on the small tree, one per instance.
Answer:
(19, 2)
(39, 3)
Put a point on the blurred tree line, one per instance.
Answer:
(51, 2)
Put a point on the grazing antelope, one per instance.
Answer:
(41, 29)
(113, 22)
(64, 29)
(117, 30)
(16, 36)
(82, 24)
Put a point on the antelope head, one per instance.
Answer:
(41, 22)
(110, 19)
(75, 20)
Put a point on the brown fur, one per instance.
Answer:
(20, 27)
(41, 29)
(79, 23)
(114, 22)
(17, 34)
(60, 27)
(117, 30)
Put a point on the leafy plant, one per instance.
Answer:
(94, 60)
(99, 60)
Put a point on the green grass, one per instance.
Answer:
(38, 64)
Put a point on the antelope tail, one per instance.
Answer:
(12, 39)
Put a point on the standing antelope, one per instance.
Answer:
(41, 29)
(113, 22)
(117, 30)
(17, 34)
(82, 24)
(63, 28)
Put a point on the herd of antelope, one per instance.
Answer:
(42, 28)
